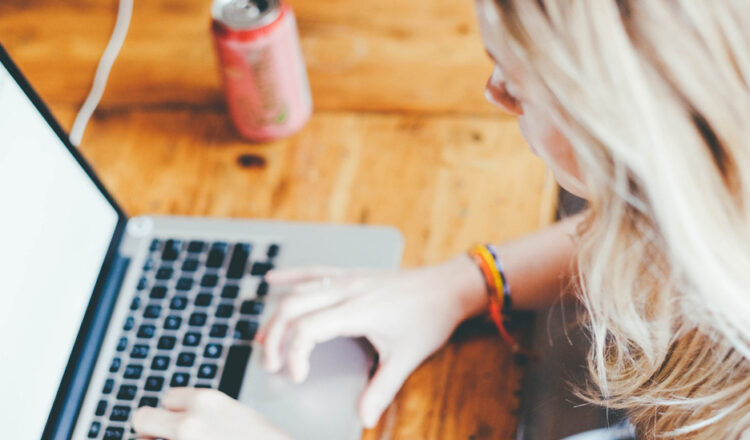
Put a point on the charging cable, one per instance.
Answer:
(124, 13)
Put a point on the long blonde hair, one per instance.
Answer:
(654, 96)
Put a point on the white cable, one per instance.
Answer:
(124, 13)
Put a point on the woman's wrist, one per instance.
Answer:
(465, 280)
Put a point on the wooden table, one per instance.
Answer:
(401, 135)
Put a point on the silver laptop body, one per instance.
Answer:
(324, 406)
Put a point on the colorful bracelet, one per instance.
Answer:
(507, 304)
(498, 290)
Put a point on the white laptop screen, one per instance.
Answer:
(55, 230)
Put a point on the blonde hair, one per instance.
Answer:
(654, 97)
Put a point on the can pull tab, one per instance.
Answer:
(248, 8)
(246, 14)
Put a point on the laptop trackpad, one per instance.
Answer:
(325, 405)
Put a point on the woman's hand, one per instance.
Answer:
(202, 414)
(406, 315)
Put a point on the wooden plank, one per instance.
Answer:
(387, 56)
(444, 181)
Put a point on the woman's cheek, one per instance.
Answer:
(555, 150)
(531, 134)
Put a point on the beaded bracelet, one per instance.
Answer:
(498, 290)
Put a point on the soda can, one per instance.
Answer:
(264, 75)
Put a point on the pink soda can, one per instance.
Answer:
(264, 75)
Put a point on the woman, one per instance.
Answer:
(640, 106)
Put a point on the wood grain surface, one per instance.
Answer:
(401, 136)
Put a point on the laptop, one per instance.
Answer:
(102, 313)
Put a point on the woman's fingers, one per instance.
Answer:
(281, 277)
(305, 298)
(381, 390)
(309, 330)
(202, 414)
(157, 423)
(296, 275)
(179, 399)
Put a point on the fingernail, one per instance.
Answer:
(271, 365)
(369, 424)
(371, 419)
(299, 375)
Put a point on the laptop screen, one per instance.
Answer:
(55, 230)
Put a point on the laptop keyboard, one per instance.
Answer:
(187, 326)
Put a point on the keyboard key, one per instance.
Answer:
(154, 383)
(262, 289)
(260, 268)
(196, 246)
(245, 330)
(178, 303)
(139, 351)
(230, 291)
(142, 283)
(234, 370)
(136, 303)
(158, 292)
(273, 250)
(155, 245)
(113, 433)
(190, 265)
(171, 250)
(237, 263)
(153, 402)
(166, 342)
(207, 371)
(109, 385)
(191, 339)
(148, 264)
(160, 363)
(198, 319)
(224, 310)
(152, 311)
(127, 392)
(94, 430)
(101, 408)
(146, 331)
(172, 322)
(251, 307)
(164, 273)
(215, 256)
(120, 413)
(203, 299)
(114, 367)
(180, 380)
(122, 344)
(186, 359)
(129, 323)
(203, 385)
(218, 331)
(184, 284)
(209, 280)
(212, 351)
(133, 371)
